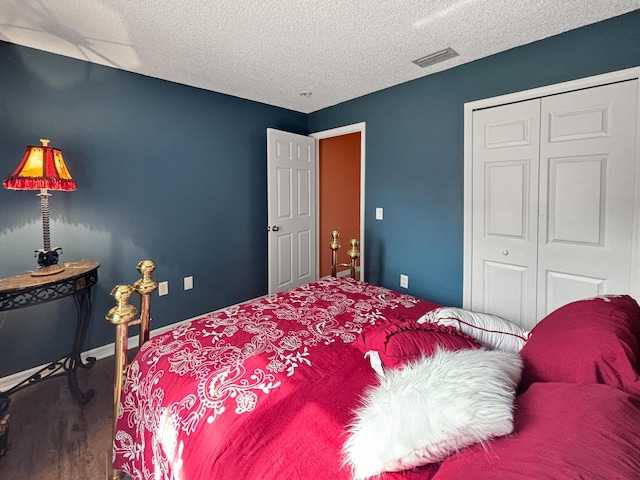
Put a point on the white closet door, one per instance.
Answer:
(505, 211)
(587, 173)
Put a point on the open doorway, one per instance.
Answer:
(340, 186)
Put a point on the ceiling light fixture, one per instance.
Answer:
(436, 57)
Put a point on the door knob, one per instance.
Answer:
(275, 228)
(505, 252)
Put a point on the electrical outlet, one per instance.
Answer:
(163, 288)
(404, 281)
(379, 213)
(188, 283)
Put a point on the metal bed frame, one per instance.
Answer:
(123, 316)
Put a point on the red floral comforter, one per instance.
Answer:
(259, 391)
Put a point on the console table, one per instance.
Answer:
(25, 290)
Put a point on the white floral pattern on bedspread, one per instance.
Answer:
(226, 362)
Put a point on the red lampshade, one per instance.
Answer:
(42, 167)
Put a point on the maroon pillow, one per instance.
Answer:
(561, 430)
(402, 342)
(589, 341)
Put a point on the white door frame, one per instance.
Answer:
(593, 81)
(336, 132)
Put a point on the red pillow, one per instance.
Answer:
(402, 342)
(561, 430)
(589, 341)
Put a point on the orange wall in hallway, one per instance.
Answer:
(339, 195)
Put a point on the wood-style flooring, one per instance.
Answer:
(52, 437)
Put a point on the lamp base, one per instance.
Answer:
(47, 257)
(51, 270)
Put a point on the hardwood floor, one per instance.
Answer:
(52, 437)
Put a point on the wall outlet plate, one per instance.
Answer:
(163, 288)
(188, 283)
(404, 281)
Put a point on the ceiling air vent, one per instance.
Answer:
(436, 57)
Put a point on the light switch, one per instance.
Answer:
(379, 213)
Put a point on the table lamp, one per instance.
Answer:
(43, 169)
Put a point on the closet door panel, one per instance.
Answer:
(563, 288)
(505, 200)
(576, 205)
(587, 194)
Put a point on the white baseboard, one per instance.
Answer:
(104, 351)
(99, 353)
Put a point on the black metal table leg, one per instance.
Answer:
(74, 360)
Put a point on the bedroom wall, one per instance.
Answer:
(414, 148)
(177, 174)
(164, 171)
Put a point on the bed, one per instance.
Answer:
(342, 379)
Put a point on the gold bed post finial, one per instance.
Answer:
(145, 287)
(334, 246)
(120, 316)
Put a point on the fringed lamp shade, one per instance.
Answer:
(42, 168)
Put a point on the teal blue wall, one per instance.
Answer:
(178, 174)
(415, 151)
(164, 171)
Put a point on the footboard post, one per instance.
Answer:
(145, 287)
(334, 246)
(120, 316)
(353, 254)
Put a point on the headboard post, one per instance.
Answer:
(120, 316)
(145, 287)
(123, 316)
(353, 253)
(334, 246)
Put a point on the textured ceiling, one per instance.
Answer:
(271, 51)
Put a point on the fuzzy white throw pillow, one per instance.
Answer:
(427, 410)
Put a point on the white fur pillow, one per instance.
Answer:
(490, 330)
(427, 410)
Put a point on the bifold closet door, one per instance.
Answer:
(553, 184)
(587, 194)
(506, 151)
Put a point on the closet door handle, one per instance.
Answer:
(505, 252)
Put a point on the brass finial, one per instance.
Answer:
(146, 284)
(122, 313)
(353, 253)
(335, 244)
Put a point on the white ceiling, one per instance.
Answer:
(271, 51)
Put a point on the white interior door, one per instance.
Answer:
(291, 198)
(505, 210)
(588, 158)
